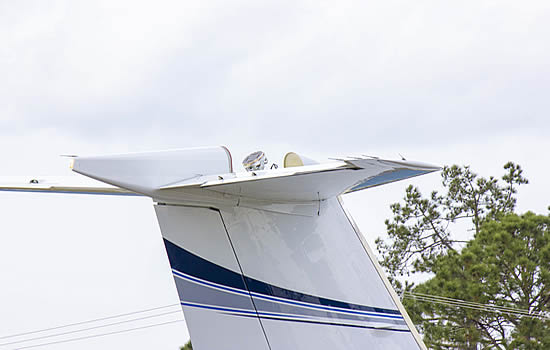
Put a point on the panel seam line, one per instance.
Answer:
(244, 279)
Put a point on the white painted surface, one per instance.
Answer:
(144, 172)
(314, 182)
(212, 330)
(198, 230)
(201, 232)
(301, 336)
(383, 276)
(318, 255)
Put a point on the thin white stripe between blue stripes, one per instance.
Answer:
(282, 300)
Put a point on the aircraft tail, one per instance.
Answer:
(268, 259)
(254, 279)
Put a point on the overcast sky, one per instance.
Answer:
(464, 82)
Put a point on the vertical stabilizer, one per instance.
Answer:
(265, 259)
(264, 280)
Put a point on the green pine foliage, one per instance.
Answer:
(187, 346)
(501, 261)
(420, 230)
(507, 264)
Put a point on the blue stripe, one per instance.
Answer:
(195, 266)
(285, 301)
(338, 324)
(390, 176)
(218, 308)
(399, 317)
(267, 289)
(237, 311)
(283, 318)
(179, 274)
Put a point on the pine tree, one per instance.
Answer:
(187, 346)
(506, 265)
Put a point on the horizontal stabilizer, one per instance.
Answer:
(205, 175)
(311, 182)
(68, 185)
(148, 171)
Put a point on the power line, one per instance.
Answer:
(89, 328)
(467, 304)
(98, 335)
(471, 305)
(463, 304)
(88, 321)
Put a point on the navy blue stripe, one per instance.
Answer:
(245, 313)
(280, 300)
(191, 264)
(200, 281)
(390, 176)
(327, 323)
(268, 289)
